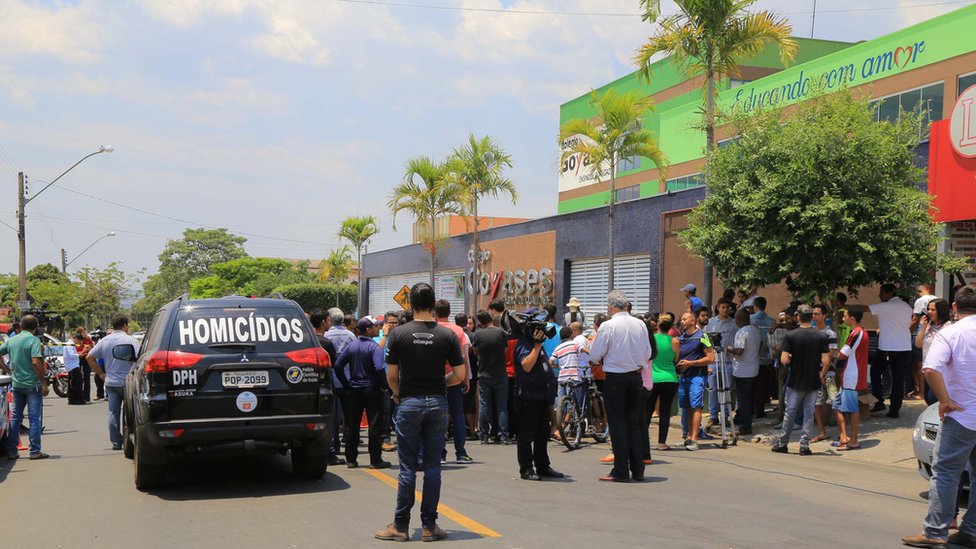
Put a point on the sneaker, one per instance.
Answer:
(506, 440)
(780, 449)
(464, 459)
(805, 451)
(550, 473)
(380, 465)
(433, 533)
(691, 445)
(712, 422)
(962, 538)
(336, 460)
(352, 464)
(392, 534)
(39, 455)
(892, 414)
(443, 460)
(529, 474)
(878, 407)
(920, 540)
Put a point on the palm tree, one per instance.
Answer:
(426, 193)
(709, 38)
(335, 268)
(358, 230)
(476, 168)
(614, 134)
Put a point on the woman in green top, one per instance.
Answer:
(665, 379)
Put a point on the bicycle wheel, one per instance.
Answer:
(568, 423)
(598, 418)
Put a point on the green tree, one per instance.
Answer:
(248, 276)
(185, 259)
(614, 134)
(320, 296)
(709, 38)
(822, 198)
(103, 291)
(477, 170)
(426, 193)
(335, 268)
(359, 230)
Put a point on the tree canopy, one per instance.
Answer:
(819, 196)
(249, 276)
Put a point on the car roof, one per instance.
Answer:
(237, 301)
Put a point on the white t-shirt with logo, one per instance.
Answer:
(894, 321)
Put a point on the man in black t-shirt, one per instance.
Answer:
(416, 355)
(805, 353)
(489, 344)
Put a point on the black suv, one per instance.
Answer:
(227, 376)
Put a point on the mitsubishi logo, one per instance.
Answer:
(244, 358)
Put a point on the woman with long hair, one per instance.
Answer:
(936, 317)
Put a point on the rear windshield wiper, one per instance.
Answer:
(232, 346)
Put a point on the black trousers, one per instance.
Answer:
(664, 393)
(86, 372)
(512, 408)
(371, 400)
(99, 387)
(75, 386)
(533, 433)
(764, 382)
(622, 393)
(898, 361)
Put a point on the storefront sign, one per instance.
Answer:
(952, 176)
(962, 124)
(962, 243)
(576, 170)
(530, 287)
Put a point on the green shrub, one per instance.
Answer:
(320, 296)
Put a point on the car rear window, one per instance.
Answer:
(230, 330)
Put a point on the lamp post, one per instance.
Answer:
(64, 254)
(22, 202)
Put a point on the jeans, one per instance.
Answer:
(114, 395)
(622, 393)
(455, 406)
(797, 399)
(369, 399)
(899, 362)
(533, 435)
(494, 407)
(712, 389)
(577, 391)
(420, 421)
(954, 448)
(744, 390)
(33, 399)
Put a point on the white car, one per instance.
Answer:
(927, 428)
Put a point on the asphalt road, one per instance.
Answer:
(741, 497)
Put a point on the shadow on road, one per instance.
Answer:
(255, 476)
(6, 466)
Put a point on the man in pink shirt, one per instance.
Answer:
(950, 370)
(455, 393)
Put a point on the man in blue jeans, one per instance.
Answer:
(29, 386)
(950, 370)
(114, 373)
(416, 353)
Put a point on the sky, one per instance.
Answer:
(278, 118)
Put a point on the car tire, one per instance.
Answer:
(306, 466)
(128, 438)
(148, 475)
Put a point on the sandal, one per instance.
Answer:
(845, 447)
(663, 447)
(818, 438)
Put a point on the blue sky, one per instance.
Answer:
(278, 118)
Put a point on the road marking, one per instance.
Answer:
(451, 514)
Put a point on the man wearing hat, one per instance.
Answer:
(692, 302)
(365, 382)
(574, 314)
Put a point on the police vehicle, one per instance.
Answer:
(227, 376)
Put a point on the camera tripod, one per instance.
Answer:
(723, 392)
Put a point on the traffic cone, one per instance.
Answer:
(363, 423)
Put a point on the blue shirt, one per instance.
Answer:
(532, 385)
(696, 302)
(366, 368)
(550, 344)
(115, 369)
(692, 347)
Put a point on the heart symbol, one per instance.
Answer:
(908, 57)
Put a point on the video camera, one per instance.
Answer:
(46, 320)
(524, 325)
(716, 339)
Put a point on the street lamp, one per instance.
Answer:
(64, 255)
(22, 202)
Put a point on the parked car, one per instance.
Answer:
(227, 376)
(5, 381)
(927, 428)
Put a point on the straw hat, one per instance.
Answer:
(573, 302)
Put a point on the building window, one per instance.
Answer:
(684, 183)
(965, 82)
(627, 164)
(628, 193)
(928, 98)
(735, 83)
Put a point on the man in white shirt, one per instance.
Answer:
(623, 346)
(744, 349)
(894, 347)
(950, 370)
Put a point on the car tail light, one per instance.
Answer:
(164, 361)
(316, 356)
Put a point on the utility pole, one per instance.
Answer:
(21, 242)
(64, 261)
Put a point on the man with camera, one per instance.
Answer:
(29, 386)
(624, 348)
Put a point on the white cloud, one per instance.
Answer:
(69, 33)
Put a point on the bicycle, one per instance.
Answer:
(576, 419)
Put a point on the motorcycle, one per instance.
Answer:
(57, 376)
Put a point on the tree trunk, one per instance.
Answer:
(433, 251)
(709, 146)
(477, 260)
(359, 282)
(613, 202)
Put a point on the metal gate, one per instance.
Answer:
(447, 285)
(631, 274)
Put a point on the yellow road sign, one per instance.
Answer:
(403, 297)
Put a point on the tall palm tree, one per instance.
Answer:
(614, 134)
(426, 193)
(336, 267)
(358, 230)
(476, 169)
(709, 38)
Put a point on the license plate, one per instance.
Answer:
(242, 380)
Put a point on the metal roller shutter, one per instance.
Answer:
(588, 282)
(383, 288)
